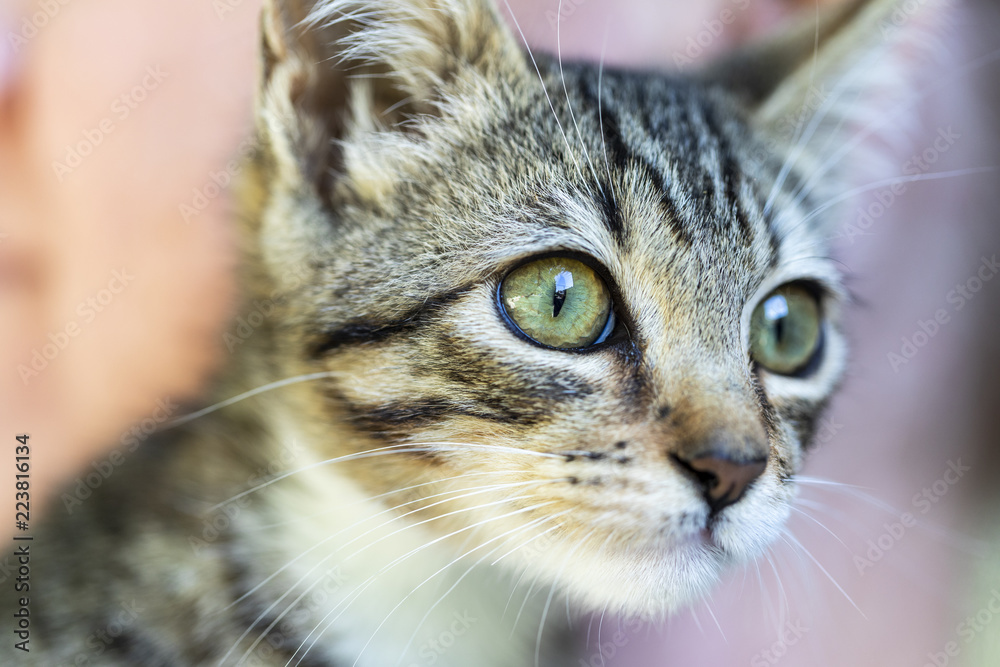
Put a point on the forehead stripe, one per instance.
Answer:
(622, 158)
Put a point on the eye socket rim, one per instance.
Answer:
(609, 334)
(808, 368)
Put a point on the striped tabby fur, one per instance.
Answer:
(411, 153)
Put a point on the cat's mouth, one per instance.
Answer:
(660, 561)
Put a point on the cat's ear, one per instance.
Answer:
(845, 71)
(332, 69)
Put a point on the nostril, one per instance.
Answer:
(722, 480)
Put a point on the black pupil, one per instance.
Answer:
(564, 281)
(558, 299)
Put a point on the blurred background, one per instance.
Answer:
(119, 122)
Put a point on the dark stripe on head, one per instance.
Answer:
(373, 331)
(612, 217)
(729, 172)
(623, 157)
(617, 155)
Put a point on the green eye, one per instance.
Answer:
(785, 330)
(558, 302)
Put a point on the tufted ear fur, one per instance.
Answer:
(833, 81)
(334, 69)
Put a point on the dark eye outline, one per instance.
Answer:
(818, 293)
(609, 335)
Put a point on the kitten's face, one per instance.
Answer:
(655, 444)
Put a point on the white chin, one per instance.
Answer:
(652, 581)
(642, 583)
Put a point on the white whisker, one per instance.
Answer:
(524, 544)
(810, 130)
(545, 91)
(783, 595)
(822, 569)
(404, 448)
(245, 395)
(897, 180)
(874, 126)
(309, 517)
(305, 576)
(552, 590)
(600, 116)
(529, 525)
(821, 525)
(399, 560)
(569, 103)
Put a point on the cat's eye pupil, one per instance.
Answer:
(558, 302)
(564, 281)
(775, 310)
(785, 330)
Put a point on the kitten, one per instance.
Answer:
(515, 329)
